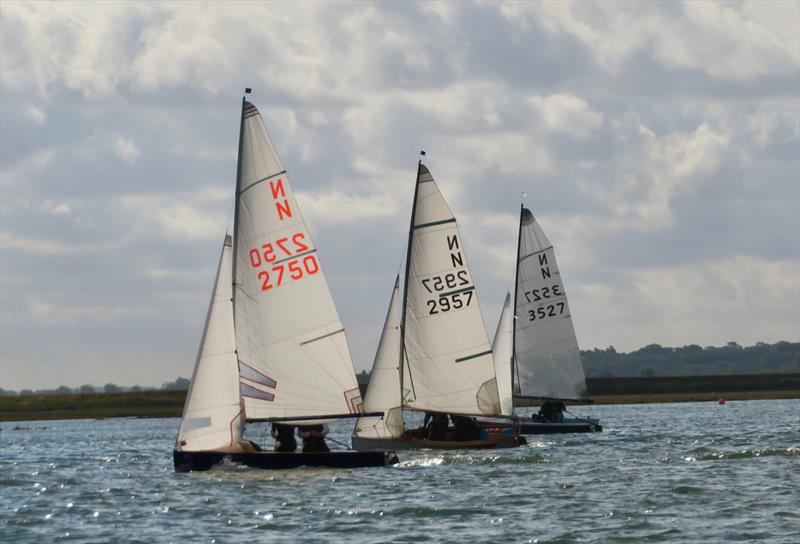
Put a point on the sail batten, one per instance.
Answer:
(548, 363)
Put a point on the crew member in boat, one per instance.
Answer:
(465, 428)
(552, 411)
(284, 437)
(437, 428)
(313, 438)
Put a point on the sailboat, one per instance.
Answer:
(433, 354)
(273, 347)
(535, 348)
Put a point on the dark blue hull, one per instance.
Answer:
(186, 461)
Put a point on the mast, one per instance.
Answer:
(405, 284)
(236, 203)
(514, 308)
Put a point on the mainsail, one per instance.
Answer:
(212, 414)
(383, 392)
(293, 356)
(548, 361)
(449, 361)
(502, 351)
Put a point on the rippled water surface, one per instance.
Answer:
(696, 472)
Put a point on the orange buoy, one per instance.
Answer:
(721, 401)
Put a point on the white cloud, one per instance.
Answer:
(126, 149)
(180, 217)
(62, 314)
(691, 304)
(36, 115)
(723, 39)
(35, 162)
(567, 113)
(45, 246)
(335, 207)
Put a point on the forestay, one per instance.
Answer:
(212, 413)
(383, 392)
(546, 349)
(502, 354)
(450, 362)
(293, 354)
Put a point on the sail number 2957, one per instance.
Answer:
(287, 258)
(446, 301)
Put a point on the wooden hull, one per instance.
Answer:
(407, 442)
(527, 425)
(186, 461)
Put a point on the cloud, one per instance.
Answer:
(567, 113)
(671, 301)
(658, 144)
(717, 38)
(126, 149)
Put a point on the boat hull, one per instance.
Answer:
(527, 425)
(406, 442)
(186, 461)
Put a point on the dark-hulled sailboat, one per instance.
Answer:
(437, 331)
(535, 348)
(273, 347)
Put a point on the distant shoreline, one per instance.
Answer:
(147, 404)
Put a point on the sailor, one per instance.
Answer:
(546, 411)
(313, 438)
(284, 437)
(437, 430)
(465, 428)
(558, 412)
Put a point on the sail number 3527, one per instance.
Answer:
(551, 310)
(287, 258)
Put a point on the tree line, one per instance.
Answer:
(180, 384)
(650, 361)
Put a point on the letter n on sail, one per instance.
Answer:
(252, 383)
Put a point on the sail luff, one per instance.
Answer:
(236, 207)
(514, 384)
(405, 290)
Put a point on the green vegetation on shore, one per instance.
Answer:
(602, 390)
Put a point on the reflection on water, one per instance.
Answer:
(659, 473)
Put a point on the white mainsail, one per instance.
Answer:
(293, 354)
(546, 349)
(212, 414)
(449, 361)
(383, 392)
(502, 351)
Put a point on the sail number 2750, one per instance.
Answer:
(287, 256)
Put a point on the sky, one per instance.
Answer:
(658, 143)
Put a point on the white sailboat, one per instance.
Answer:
(438, 333)
(274, 348)
(538, 356)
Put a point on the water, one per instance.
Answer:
(695, 472)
